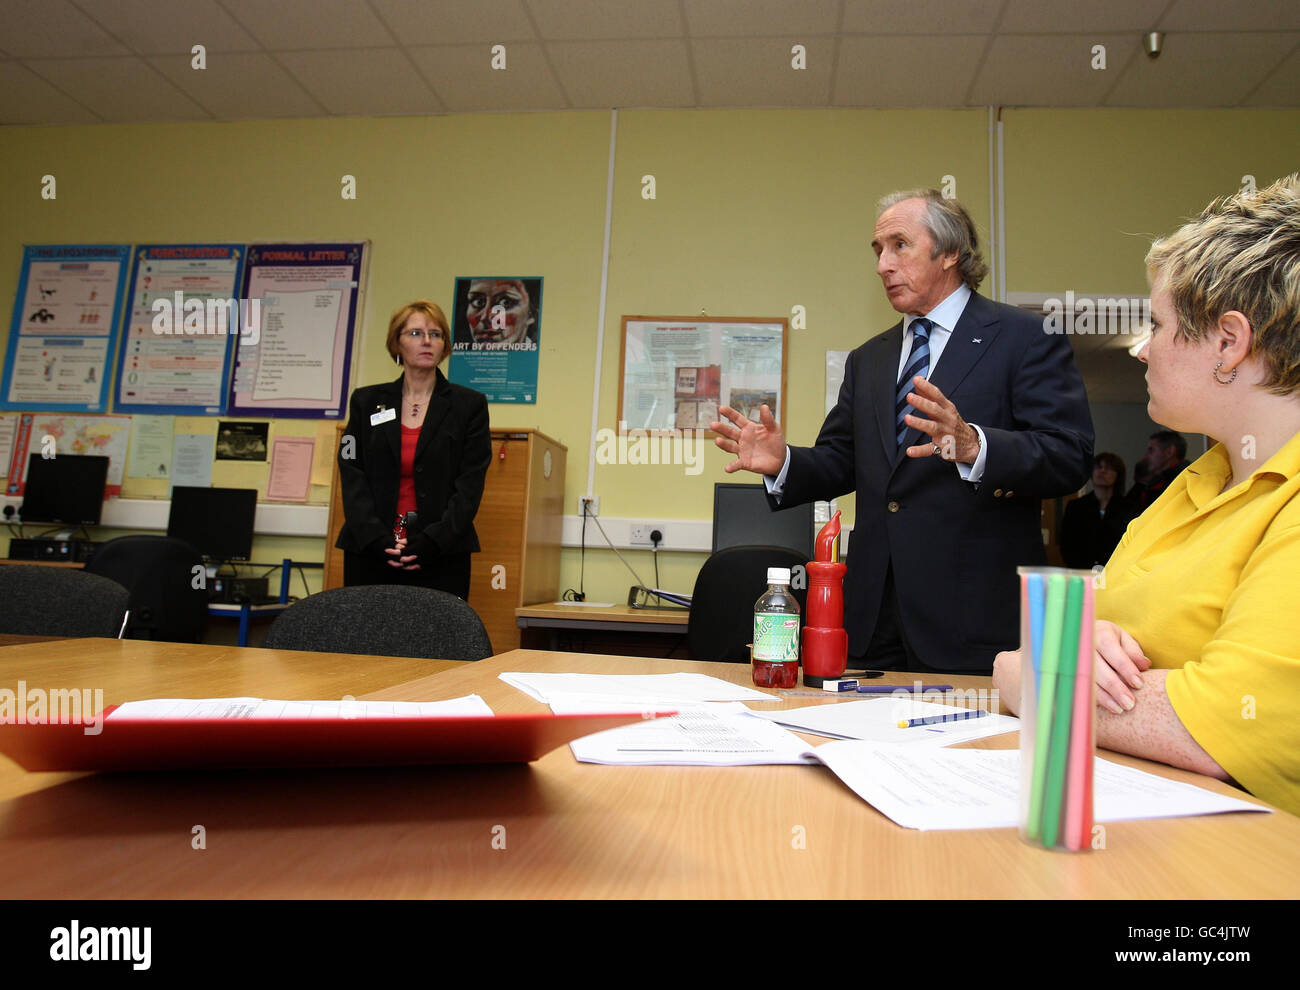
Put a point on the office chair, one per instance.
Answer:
(722, 605)
(386, 620)
(159, 573)
(52, 601)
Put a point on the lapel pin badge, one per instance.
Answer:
(977, 340)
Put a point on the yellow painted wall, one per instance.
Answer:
(755, 212)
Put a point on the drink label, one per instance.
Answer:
(776, 637)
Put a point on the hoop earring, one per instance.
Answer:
(1215, 373)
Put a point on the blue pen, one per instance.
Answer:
(909, 688)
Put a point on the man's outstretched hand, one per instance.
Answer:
(759, 447)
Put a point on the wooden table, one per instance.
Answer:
(624, 628)
(568, 829)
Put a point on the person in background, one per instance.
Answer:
(1165, 458)
(419, 444)
(1093, 524)
(1197, 657)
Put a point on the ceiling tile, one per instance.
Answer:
(624, 73)
(1038, 70)
(462, 75)
(920, 16)
(1200, 70)
(757, 72)
(26, 98)
(1215, 15)
(456, 22)
(247, 86)
(187, 23)
(759, 18)
(574, 20)
(54, 29)
(1282, 88)
(120, 90)
(376, 81)
(905, 71)
(1057, 16)
(297, 24)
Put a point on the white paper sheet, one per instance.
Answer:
(700, 738)
(631, 689)
(978, 788)
(876, 719)
(260, 708)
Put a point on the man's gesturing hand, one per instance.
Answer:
(759, 447)
(955, 438)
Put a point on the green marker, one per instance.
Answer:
(1054, 798)
(1053, 620)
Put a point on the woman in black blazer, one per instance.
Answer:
(419, 444)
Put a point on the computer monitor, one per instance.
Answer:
(217, 522)
(742, 518)
(66, 488)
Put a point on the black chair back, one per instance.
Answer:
(722, 606)
(169, 597)
(384, 620)
(55, 601)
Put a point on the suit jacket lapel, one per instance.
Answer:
(439, 407)
(979, 322)
(391, 397)
(884, 386)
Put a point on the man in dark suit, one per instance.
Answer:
(951, 426)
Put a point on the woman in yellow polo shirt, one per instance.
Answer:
(1198, 632)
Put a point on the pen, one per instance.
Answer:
(912, 723)
(891, 688)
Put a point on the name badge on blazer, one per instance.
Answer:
(383, 416)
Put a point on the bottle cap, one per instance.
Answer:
(778, 575)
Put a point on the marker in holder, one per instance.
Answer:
(1057, 717)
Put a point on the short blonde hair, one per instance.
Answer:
(430, 309)
(1242, 253)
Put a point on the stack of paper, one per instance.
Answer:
(714, 727)
(259, 708)
(979, 788)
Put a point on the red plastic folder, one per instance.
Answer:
(211, 744)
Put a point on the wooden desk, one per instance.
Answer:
(17, 639)
(626, 630)
(570, 829)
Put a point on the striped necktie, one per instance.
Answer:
(918, 363)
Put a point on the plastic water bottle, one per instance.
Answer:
(776, 633)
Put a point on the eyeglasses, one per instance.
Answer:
(429, 335)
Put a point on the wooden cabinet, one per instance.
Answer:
(519, 525)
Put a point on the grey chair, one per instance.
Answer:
(722, 605)
(382, 620)
(159, 574)
(54, 601)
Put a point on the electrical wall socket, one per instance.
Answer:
(591, 500)
(639, 534)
